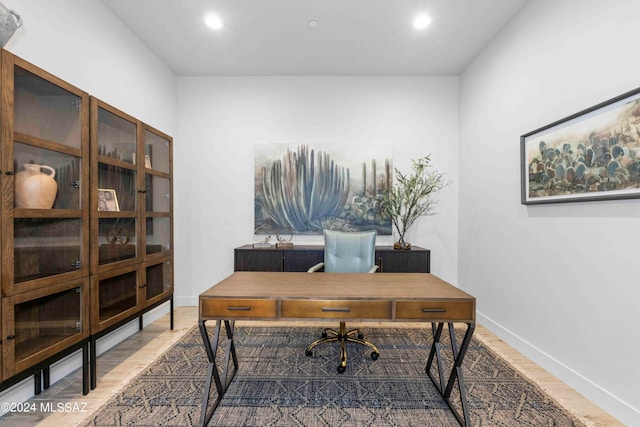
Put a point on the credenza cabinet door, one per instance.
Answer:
(302, 260)
(401, 261)
(258, 260)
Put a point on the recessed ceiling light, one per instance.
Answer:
(421, 21)
(214, 21)
(313, 24)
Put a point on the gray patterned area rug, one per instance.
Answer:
(277, 385)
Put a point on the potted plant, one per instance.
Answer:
(410, 197)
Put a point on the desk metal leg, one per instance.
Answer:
(222, 383)
(456, 371)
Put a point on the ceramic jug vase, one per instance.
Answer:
(35, 189)
(9, 23)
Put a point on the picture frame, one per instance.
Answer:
(300, 189)
(591, 155)
(107, 200)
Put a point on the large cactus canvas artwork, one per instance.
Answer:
(303, 189)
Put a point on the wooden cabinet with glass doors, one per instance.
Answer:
(131, 222)
(44, 218)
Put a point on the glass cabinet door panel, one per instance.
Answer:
(158, 279)
(117, 239)
(42, 322)
(45, 247)
(116, 295)
(156, 152)
(46, 179)
(157, 194)
(120, 184)
(45, 110)
(116, 137)
(158, 231)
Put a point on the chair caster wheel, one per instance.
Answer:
(308, 352)
(360, 336)
(374, 355)
(341, 369)
(324, 335)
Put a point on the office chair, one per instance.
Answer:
(346, 252)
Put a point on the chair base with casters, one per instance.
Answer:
(343, 337)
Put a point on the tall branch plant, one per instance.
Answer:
(411, 196)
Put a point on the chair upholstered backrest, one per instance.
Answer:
(349, 252)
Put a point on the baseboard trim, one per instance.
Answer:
(592, 391)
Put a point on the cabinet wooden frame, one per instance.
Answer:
(97, 324)
(8, 137)
(139, 214)
(150, 173)
(151, 300)
(10, 365)
(124, 214)
(45, 120)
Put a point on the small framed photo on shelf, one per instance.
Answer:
(107, 200)
(147, 161)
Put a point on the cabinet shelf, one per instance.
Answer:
(34, 345)
(117, 162)
(46, 144)
(47, 213)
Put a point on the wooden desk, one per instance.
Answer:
(403, 297)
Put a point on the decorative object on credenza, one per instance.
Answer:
(107, 200)
(591, 155)
(307, 190)
(35, 189)
(10, 21)
(411, 197)
(284, 239)
(263, 237)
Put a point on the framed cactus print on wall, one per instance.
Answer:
(591, 155)
(303, 189)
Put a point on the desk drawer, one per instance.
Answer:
(436, 310)
(238, 308)
(336, 309)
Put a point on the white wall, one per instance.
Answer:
(81, 42)
(221, 118)
(558, 282)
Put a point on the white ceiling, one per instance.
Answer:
(353, 37)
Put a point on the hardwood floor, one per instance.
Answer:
(127, 359)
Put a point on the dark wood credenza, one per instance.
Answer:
(301, 257)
